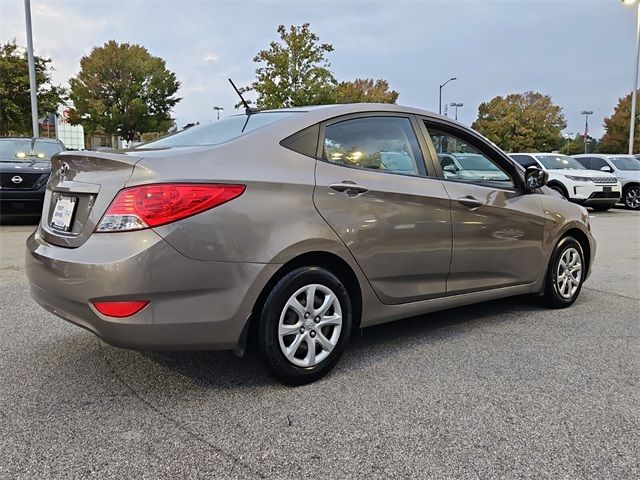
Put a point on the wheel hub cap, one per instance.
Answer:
(310, 325)
(569, 273)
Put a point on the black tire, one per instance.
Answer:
(560, 190)
(601, 208)
(552, 296)
(269, 346)
(630, 197)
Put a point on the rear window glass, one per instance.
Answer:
(218, 131)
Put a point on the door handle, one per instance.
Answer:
(470, 202)
(349, 188)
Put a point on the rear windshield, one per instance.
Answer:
(218, 131)
(559, 162)
(19, 150)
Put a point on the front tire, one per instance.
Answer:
(304, 325)
(557, 188)
(565, 274)
(631, 198)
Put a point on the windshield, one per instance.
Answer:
(218, 131)
(626, 163)
(19, 150)
(476, 162)
(559, 162)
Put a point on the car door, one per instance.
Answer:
(373, 189)
(497, 228)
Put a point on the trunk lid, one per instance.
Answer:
(92, 179)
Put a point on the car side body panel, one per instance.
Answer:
(204, 274)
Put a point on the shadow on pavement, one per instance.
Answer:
(224, 370)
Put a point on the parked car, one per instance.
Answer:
(25, 165)
(460, 166)
(288, 229)
(569, 178)
(625, 167)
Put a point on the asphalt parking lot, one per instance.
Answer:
(504, 389)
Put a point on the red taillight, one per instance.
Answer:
(120, 309)
(135, 208)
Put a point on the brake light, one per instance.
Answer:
(120, 309)
(146, 206)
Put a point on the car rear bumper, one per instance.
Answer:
(194, 305)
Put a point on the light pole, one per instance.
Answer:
(456, 105)
(440, 96)
(586, 114)
(632, 120)
(567, 144)
(32, 70)
(218, 109)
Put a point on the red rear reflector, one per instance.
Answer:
(120, 309)
(135, 208)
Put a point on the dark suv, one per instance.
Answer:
(25, 165)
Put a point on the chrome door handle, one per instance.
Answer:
(349, 188)
(470, 202)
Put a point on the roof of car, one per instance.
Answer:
(346, 108)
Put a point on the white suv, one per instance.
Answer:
(598, 190)
(625, 167)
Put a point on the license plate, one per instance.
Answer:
(63, 213)
(606, 189)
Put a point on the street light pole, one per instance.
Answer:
(632, 120)
(440, 96)
(567, 143)
(218, 109)
(32, 70)
(456, 105)
(586, 114)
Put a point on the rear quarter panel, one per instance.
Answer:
(271, 222)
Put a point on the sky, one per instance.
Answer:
(580, 52)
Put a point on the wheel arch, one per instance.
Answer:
(559, 184)
(331, 262)
(583, 240)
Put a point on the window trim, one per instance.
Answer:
(423, 170)
(480, 144)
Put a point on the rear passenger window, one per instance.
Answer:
(377, 143)
(596, 163)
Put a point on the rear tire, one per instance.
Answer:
(304, 325)
(565, 274)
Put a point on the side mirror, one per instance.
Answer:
(535, 178)
(607, 168)
(450, 168)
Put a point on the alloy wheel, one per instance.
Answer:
(310, 325)
(569, 273)
(632, 198)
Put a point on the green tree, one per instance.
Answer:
(616, 136)
(123, 89)
(364, 91)
(522, 122)
(15, 100)
(573, 146)
(295, 71)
